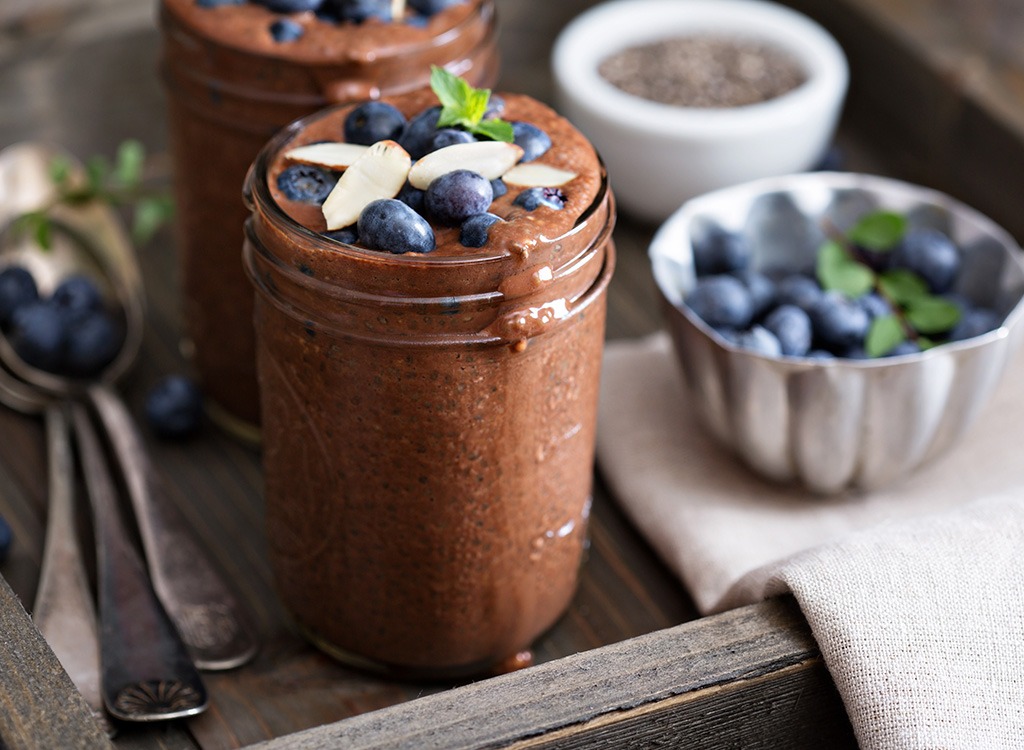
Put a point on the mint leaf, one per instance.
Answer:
(902, 286)
(885, 333)
(879, 230)
(932, 314)
(496, 130)
(128, 166)
(464, 106)
(60, 171)
(150, 214)
(837, 270)
(96, 171)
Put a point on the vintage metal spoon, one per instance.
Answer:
(147, 672)
(63, 610)
(211, 619)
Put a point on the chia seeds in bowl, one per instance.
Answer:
(705, 71)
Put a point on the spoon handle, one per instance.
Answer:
(147, 673)
(211, 619)
(63, 611)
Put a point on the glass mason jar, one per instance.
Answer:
(230, 87)
(428, 434)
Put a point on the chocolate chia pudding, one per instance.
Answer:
(236, 73)
(429, 417)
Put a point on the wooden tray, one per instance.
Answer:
(631, 664)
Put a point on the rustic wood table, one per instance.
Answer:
(937, 97)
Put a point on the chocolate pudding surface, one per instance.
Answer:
(429, 420)
(230, 88)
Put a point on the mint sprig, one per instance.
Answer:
(463, 106)
(119, 184)
(842, 265)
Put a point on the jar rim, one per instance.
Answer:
(257, 192)
(485, 10)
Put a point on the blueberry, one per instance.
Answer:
(289, 6)
(412, 197)
(348, 235)
(498, 187)
(719, 251)
(286, 30)
(833, 160)
(218, 3)
(475, 229)
(495, 107)
(374, 121)
(760, 340)
(418, 137)
(430, 7)
(931, 255)
(92, 343)
(974, 321)
(174, 407)
(450, 137)
(390, 225)
(535, 197)
(761, 288)
(457, 195)
(17, 288)
(6, 538)
(792, 328)
(534, 141)
(721, 301)
(77, 296)
(306, 183)
(38, 334)
(358, 11)
(838, 322)
(875, 305)
(799, 290)
(904, 347)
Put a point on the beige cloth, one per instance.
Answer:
(914, 593)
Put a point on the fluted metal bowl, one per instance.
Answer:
(837, 424)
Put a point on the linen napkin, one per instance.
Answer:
(914, 593)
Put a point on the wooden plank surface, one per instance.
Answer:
(731, 680)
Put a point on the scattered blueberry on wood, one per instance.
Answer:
(174, 407)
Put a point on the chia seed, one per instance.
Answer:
(705, 71)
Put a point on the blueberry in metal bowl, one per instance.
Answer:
(881, 388)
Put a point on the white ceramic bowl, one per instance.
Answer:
(659, 155)
(837, 424)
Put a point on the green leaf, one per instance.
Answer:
(837, 270)
(879, 230)
(128, 166)
(464, 106)
(926, 343)
(496, 130)
(60, 170)
(150, 214)
(885, 333)
(902, 286)
(96, 171)
(932, 314)
(451, 90)
(43, 233)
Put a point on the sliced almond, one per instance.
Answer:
(491, 159)
(330, 155)
(532, 174)
(378, 173)
(397, 9)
